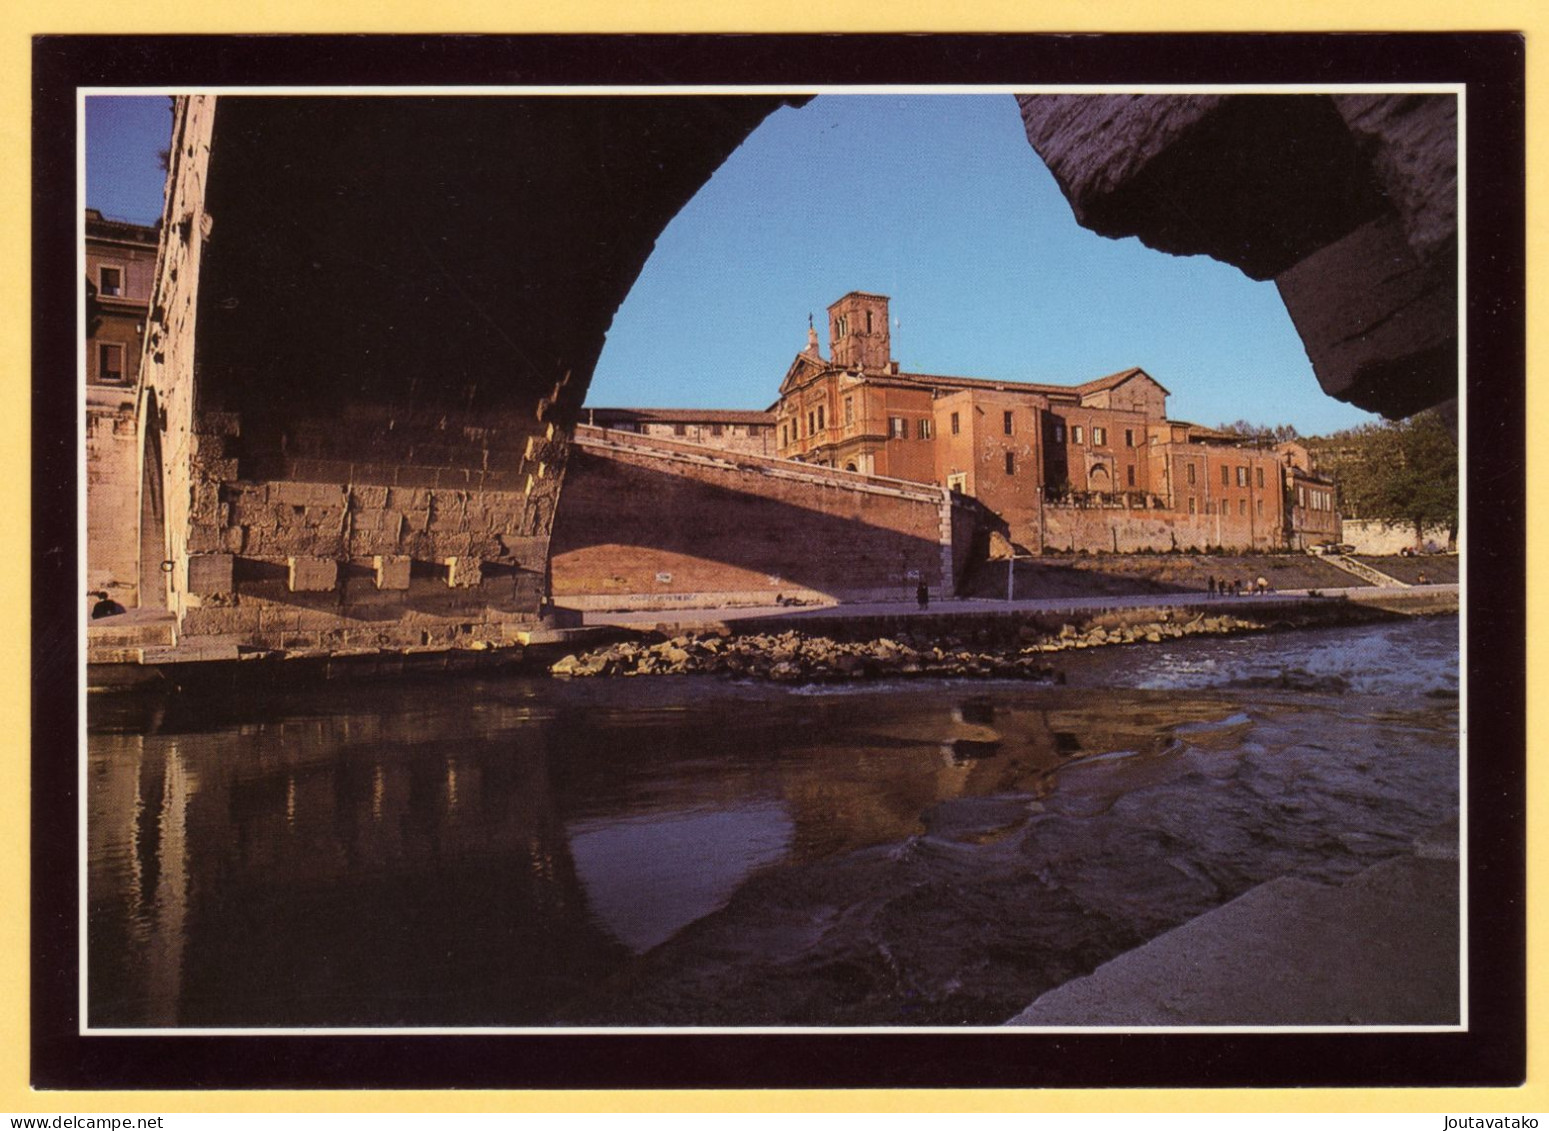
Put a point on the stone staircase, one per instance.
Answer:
(1365, 572)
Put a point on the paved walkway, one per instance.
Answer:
(698, 618)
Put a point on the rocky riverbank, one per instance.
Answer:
(1021, 652)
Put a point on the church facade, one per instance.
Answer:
(1093, 466)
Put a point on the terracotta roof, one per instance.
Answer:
(678, 415)
(1215, 435)
(1111, 381)
(102, 227)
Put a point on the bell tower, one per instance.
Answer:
(857, 332)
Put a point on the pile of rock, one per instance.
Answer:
(1098, 634)
(794, 657)
(791, 657)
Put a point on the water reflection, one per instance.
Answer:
(683, 851)
(648, 877)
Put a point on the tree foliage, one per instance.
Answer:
(1402, 473)
(1265, 434)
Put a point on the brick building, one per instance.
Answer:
(1094, 466)
(1312, 514)
(120, 266)
(733, 430)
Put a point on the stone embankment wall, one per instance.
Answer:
(1369, 536)
(1126, 531)
(647, 523)
(434, 533)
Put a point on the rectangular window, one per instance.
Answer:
(1191, 474)
(1129, 473)
(715, 429)
(785, 436)
(1301, 496)
(1242, 506)
(1005, 420)
(897, 428)
(1129, 437)
(1259, 503)
(956, 424)
(1258, 473)
(1075, 434)
(821, 425)
(1011, 463)
(679, 429)
(1226, 476)
(1191, 504)
(1099, 436)
(849, 410)
(110, 362)
(112, 281)
(812, 422)
(1242, 477)
(923, 431)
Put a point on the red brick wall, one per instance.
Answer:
(657, 524)
(1115, 530)
(911, 457)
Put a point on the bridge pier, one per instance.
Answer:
(372, 327)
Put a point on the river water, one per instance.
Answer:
(685, 851)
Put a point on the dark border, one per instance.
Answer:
(1491, 1053)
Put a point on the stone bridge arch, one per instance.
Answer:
(375, 318)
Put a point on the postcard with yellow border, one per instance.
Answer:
(783, 561)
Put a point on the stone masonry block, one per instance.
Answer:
(219, 423)
(215, 469)
(206, 447)
(463, 572)
(392, 571)
(209, 574)
(366, 497)
(313, 575)
(211, 620)
(408, 498)
(299, 494)
(205, 538)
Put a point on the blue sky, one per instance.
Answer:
(935, 200)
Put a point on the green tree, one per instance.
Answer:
(1402, 473)
(1262, 434)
